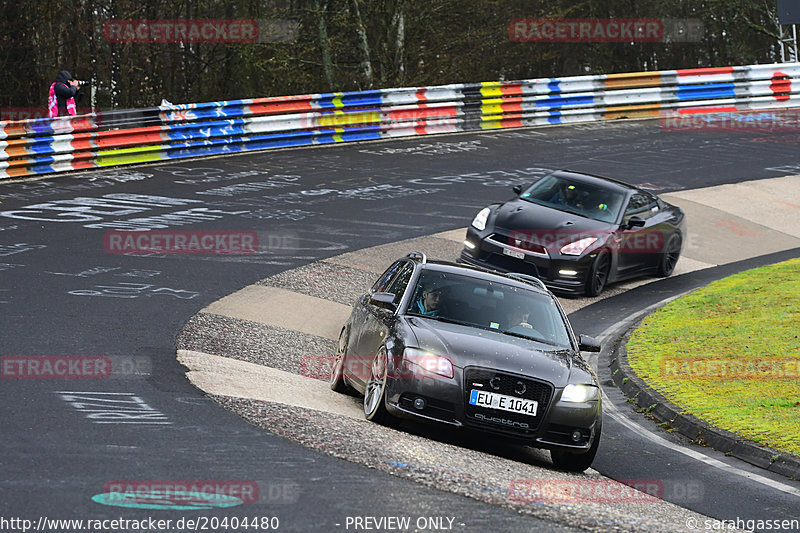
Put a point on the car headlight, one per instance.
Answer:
(578, 247)
(479, 222)
(580, 393)
(430, 362)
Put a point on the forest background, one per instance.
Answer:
(311, 46)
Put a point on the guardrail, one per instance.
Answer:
(121, 137)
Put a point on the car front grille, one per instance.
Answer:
(523, 243)
(510, 385)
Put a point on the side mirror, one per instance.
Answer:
(517, 189)
(384, 300)
(587, 343)
(635, 222)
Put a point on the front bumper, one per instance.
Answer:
(560, 273)
(446, 401)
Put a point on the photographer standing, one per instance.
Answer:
(61, 100)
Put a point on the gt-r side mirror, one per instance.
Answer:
(587, 343)
(517, 189)
(384, 300)
(635, 222)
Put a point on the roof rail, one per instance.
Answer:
(526, 277)
(418, 255)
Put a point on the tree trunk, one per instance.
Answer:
(321, 9)
(363, 44)
(398, 29)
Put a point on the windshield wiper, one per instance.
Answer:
(522, 336)
(442, 319)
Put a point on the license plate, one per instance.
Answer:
(480, 398)
(513, 253)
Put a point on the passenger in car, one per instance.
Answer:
(517, 318)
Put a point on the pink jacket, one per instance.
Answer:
(52, 103)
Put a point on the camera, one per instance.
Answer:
(82, 82)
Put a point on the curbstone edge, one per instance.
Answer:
(697, 430)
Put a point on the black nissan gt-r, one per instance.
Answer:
(467, 347)
(577, 232)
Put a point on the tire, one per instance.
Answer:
(598, 274)
(576, 462)
(375, 392)
(669, 257)
(336, 380)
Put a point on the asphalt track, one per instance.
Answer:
(63, 294)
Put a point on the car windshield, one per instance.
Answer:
(476, 302)
(585, 199)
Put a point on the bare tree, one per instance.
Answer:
(363, 44)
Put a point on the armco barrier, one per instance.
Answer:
(42, 146)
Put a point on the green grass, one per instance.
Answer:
(730, 354)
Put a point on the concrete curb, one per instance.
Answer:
(699, 431)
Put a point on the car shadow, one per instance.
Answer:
(475, 440)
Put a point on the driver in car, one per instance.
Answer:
(567, 196)
(429, 304)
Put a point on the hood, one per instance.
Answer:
(63, 77)
(524, 216)
(467, 346)
(535, 227)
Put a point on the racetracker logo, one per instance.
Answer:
(124, 490)
(714, 368)
(30, 113)
(779, 120)
(416, 365)
(181, 31)
(181, 242)
(569, 242)
(605, 30)
(55, 366)
(586, 30)
(585, 491)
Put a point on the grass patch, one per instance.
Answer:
(730, 354)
